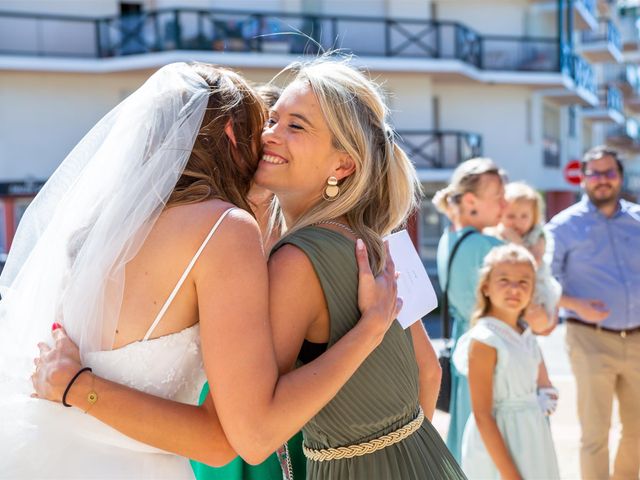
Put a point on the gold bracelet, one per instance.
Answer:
(92, 396)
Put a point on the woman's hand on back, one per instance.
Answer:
(377, 296)
(55, 366)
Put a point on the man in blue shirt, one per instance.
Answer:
(596, 258)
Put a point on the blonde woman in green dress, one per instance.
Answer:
(199, 269)
(331, 159)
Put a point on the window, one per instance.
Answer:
(20, 206)
(430, 229)
(551, 136)
(572, 121)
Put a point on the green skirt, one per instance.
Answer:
(238, 469)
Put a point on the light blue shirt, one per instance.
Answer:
(464, 269)
(597, 257)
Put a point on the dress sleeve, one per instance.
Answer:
(481, 333)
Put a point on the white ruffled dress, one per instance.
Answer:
(519, 418)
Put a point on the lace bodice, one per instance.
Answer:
(169, 367)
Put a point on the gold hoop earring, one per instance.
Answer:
(332, 190)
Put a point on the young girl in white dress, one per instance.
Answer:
(508, 436)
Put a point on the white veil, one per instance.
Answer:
(67, 260)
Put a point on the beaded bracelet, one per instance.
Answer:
(66, 390)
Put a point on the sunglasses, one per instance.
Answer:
(610, 174)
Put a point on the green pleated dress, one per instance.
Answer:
(380, 397)
(238, 469)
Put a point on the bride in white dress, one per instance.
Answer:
(136, 246)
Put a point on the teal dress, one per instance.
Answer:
(462, 299)
(238, 469)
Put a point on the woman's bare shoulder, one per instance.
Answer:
(196, 219)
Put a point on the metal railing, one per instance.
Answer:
(631, 75)
(590, 5)
(580, 71)
(525, 54)
(606, 32)
(270, 32)
(611, 98)
(627, 76)
(439, 148)
(625, 136)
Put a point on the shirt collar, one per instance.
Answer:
(588, 204)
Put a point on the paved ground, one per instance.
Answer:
(564, 423)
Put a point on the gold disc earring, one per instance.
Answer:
(332, 190)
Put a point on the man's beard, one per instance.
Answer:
(610, 199)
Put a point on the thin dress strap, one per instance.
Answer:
(166, 305)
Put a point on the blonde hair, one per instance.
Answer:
(509, 253)
(521, 192)
(466, 178)
(384, 188)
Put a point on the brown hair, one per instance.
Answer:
(601, 151)
(217, 168)
(509, 253)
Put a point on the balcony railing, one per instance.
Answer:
(606, 32)
(580, 71)
(626, 136)
(440, 148)
(280, 32)
(524, 54)
(611, 98)
(590, 5)
(626, 76)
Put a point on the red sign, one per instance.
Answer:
(572, 172)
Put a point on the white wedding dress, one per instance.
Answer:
(42, 439)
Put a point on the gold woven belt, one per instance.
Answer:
(366, 447)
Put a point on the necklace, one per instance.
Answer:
(337, 224)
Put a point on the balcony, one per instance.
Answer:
(439, 149)
(585, 14)
(625, 136)
(230, 31)
(584, 11)
(583, 90)
(609, 108)
(602, 45)
(273, 33)
(630, 33)
(626, 77)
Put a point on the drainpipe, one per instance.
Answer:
(561, 59)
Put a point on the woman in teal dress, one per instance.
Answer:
(474, 200)
(289, 461)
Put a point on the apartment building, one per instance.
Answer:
(530, 83)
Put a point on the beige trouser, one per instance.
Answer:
(605, 364)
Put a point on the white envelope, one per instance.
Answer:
(414, 286)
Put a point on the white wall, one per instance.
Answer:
(509, 120)
(62, 7)
(483, 15)
(409, 99)
(44, 115)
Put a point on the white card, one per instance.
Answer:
(414, 286)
